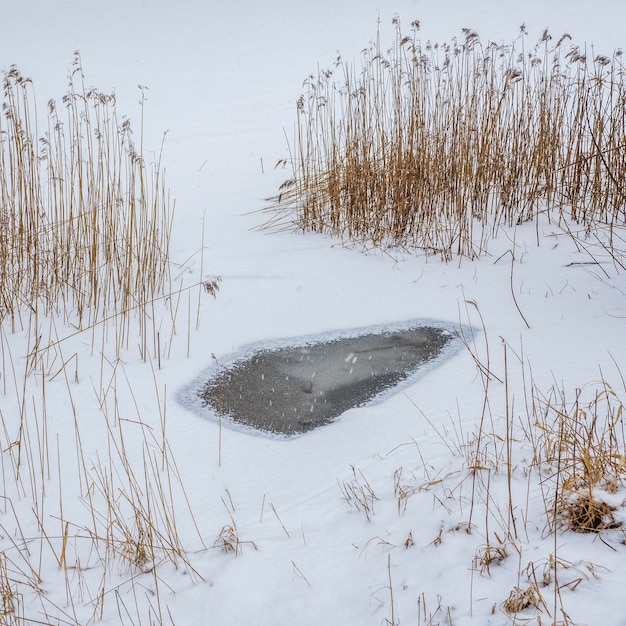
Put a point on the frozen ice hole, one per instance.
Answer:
(293, 389)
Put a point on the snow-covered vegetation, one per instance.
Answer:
(489, 490)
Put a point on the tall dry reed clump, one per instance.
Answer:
(84, 222)
(91, 496)
(434, 147)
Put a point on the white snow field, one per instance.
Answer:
(437, 504)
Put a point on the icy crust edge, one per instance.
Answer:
(190, 395)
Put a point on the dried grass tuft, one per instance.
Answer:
(358, 493)
(228, 540)
(585, 514)
(85, 223)
(489, 555)
(520, 599)
(11, 601)
(584, 447)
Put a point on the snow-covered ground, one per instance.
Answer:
(222, 80)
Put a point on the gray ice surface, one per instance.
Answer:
(291, 390)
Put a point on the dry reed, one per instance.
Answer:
(358, 493)
(583, 446)
(84, 220)
(567, 448)
(434, 147)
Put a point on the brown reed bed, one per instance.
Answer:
(85, 219)
(434, 146)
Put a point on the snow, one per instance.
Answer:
(222, 80)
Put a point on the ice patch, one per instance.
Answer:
(290, 387)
